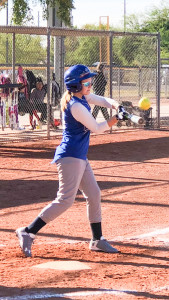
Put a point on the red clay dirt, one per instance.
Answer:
(132, 171)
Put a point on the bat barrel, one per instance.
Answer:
(136, 119)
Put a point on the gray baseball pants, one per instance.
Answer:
(74, 174)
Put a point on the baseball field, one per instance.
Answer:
(132, 169)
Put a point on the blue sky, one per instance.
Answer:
(89, 11)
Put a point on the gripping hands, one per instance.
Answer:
(122, 115)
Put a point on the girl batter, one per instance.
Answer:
(70, 155)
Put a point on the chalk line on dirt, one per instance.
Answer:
(151, 234)
(154, 233)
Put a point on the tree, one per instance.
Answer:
(136, 50)
(84, 49)
(157, 20)
(29, 49)
(22, 11)
(32, 51)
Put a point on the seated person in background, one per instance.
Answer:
(37, 102)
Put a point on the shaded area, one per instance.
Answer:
(139, 150)
(68, 293)
(26, 192)
(27, 151)
(130, 245)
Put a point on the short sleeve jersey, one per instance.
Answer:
(75, 140)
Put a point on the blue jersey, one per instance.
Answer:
(75, 140)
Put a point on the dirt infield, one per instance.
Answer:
(132, 171)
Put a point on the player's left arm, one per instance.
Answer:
(102, 101)
(82, 115)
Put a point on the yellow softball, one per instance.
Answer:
(144, 103)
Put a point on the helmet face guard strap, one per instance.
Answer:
(74, 75)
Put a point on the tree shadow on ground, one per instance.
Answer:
(70, 293)
(27, 192)
(139, 150)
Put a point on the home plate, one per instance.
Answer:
(69, 265)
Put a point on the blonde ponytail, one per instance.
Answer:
(65, 99)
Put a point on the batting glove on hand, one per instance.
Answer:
(122, 115)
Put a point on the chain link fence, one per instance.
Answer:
(36, 59)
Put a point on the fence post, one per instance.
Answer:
(13, 58)
(139, 82)
(111, 65)
(119, 83)
(158, 81)
(48, 83)
(62, 59)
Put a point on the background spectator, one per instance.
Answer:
(99, 86)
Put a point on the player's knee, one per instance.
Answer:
(95, 195)
(64, 201)
(98, 194)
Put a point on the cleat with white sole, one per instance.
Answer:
(25, 241)
(102, 245)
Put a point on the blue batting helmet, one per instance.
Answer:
(74, 75)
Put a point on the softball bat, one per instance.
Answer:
(135, 119)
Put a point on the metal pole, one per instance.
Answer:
(124, 15)
(13, 58)
(48, 82)
(57, 62)
(119, 82)
(7, 34)
(7, 13)
(38, 19)
(100, 41)
(111, 65)
(158, 81)
(139, 82)
(62, 59)
(108, 61)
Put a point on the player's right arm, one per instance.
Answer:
(102, 101)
